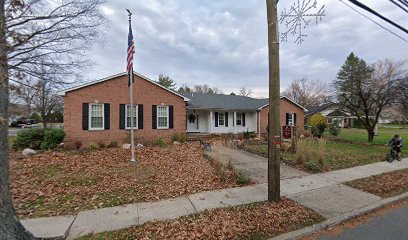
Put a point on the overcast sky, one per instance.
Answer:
(224, 42)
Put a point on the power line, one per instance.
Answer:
(404, 2)
(376, 23)
(360, 5)
(398, 5)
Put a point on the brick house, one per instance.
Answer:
(99, 111)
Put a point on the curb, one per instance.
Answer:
(339, 219)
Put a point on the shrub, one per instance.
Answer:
(113, 144)
(334, 128)
(52, 138)
(101, 144)
(242, 179)
(31, 138)
(247, 134)
(303, 151)
(93, 147)
(78, 144)
(179, 137)
(159, 142)
(321, 154)
(359, 124)
(35, 116)
(313, 167)
(319, 125)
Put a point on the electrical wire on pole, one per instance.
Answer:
(368, 9)
(398, 5)
(375, 22)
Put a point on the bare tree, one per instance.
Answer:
(308, 93)
(52, 34)
(46, 100)
(185, 88)
(36, 35)
(244, 91)
(24, 91)
(207, 89)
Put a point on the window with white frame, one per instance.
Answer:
(96, 114)
(221, 119)
(128, 117)
(162, 117)
(291, 119)
(239, 119)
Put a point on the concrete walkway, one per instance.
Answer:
(252, 165)
(323, 193)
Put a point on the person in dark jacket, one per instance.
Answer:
(396, 143)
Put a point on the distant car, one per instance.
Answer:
(28, 123)
(307, 127)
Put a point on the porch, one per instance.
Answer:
(222, 121)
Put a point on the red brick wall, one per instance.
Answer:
(285, 106)
(115, 92)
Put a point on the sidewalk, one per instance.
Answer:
(323, 193)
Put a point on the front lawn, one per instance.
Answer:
(383, 185)
(338, 155)
(253, 221)
(66, 182)
(384, 135)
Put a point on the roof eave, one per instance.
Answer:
(63, 93)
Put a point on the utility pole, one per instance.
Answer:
(274, 132)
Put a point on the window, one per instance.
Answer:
(221, 119)
(96, 120)
(291, 119)
(162, 117)
(128, 116)
(239, 119)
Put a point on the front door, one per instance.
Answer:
(193, 122)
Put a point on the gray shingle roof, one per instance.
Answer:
(221, 101)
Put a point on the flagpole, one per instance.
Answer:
(130, 73)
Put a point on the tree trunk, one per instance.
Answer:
(44, 121)
(371, 135)
(10, 226)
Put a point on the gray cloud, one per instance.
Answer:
(224, 43)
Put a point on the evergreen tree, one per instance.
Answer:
(166, 81)
(364, 91)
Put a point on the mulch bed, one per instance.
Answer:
(383, 185)
(63, 183)
(254, 221)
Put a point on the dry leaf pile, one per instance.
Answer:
(255, 221)
(65, 182)
(383, 185)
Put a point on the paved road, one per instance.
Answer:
(391, 226)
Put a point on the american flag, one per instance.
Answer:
(130, 51)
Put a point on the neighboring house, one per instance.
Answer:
(99, 111)
(332, 113)
(218, 113)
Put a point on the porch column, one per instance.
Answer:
(234, 122)
(258, 121)
(211, 122)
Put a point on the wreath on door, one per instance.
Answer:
(191, 118)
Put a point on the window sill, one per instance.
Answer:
(97, 129)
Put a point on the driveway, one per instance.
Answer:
(251, 165)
